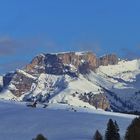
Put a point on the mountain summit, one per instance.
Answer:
(78, 79)
(62, 63)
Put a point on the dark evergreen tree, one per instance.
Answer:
(112, 131)
(40, 137)
(97, 136)
(117, 131)
(133, 130)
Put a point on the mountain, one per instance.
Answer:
(77, 78)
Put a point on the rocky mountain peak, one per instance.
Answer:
(110, 59)
(61, 63)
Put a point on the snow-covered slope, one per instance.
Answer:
(57, 122)
(126, 70)
(123, 83)
(61, 90)
(1, 81)
(7, 95)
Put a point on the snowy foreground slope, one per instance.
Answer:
(57, 122)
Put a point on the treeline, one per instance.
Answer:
(112, 132)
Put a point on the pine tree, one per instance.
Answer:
(133, 130)
(97, 136)
(117, 131)
(40, 137)
(112, 131)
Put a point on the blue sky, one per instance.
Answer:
(30, 27)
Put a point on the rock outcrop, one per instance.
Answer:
(61, 63)
(37, 65)
(110, 59)
(19, 82)
(7, 78)
(97, 100)
(78, 59)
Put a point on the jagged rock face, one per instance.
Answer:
(58, 63)
(84, 68)
(20, 84)
(78, 59)
(37, 65)
(7, 78)
(111, 59)
(53, 65)
(97, 100)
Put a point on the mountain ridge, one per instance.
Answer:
(78, 79)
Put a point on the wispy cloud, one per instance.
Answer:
(8, 46)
